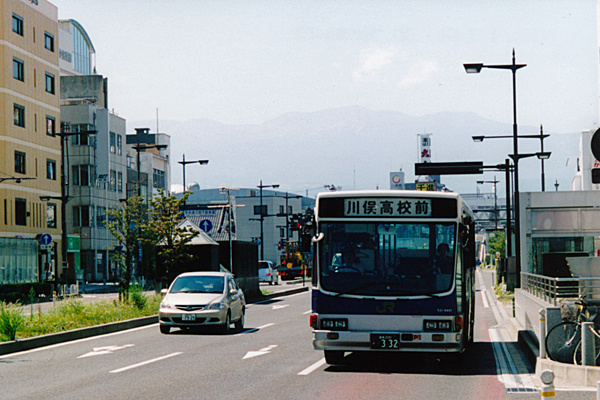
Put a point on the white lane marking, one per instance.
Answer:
(280, 307)
(76, 341)
(484, 298)
(306, 312)
(104, 350)
(260, 352)
(115, 371)
(312, 368)
(254, 329)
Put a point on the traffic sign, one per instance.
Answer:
(206, 225)
(45, 239)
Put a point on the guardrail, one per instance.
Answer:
(553, 289)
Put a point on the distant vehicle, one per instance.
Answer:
(201, 299)
(294, 263)
(267, 273)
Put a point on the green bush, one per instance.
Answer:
(19, 292)
(136, 296)
(11, 319)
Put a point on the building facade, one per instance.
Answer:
(95, 156)
(29, 97)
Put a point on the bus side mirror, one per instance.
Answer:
(318, 237)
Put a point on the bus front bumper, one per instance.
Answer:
(433, 342)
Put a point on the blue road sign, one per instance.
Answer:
(206, 225)
(45, 239)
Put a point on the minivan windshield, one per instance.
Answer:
(198, 284)
(387, 259)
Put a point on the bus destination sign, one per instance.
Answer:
(387, 207)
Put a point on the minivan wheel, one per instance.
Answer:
(239, 324)
(227, 325)
(164, 329)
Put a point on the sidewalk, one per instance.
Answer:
(517, 354)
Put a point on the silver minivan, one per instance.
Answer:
(200, 299)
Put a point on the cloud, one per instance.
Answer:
(418, 73)
(373, 63)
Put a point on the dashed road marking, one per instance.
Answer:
(115, 371)
(313, 367)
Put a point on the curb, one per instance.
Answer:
(82, 333)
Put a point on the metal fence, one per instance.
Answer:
(553, 290)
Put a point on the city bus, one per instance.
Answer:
(392, 271)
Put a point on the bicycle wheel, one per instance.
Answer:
(577, 352)
(562, 340)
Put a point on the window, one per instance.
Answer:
(158, 177)
(113, 142)
(281, 232)
(19, 112)
(100, 217)
(281, 209)
(81, 216)
(50, 126)
(51, 169)
(17, 24)
(49, 83)
(83, 175)
(18, 68)
(49, 41)
(120, 182)
(51, 215)
(112, 186)
(19, 162)
(119, 145)
(20, 212)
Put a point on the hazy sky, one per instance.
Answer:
(251, 61)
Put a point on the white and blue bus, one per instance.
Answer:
(392, 271)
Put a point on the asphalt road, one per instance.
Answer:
(272, 358)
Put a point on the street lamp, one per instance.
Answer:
(65, 131)
(541, 136)
(139, 148)
(495, 182)
(184, 163)
(476, 68)
(262, 217)
(143, 147)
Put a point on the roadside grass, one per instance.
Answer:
(73, 314)
(505, 296)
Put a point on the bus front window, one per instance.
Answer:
(387, 259)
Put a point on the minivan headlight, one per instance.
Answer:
(216, 306)
(164, 304)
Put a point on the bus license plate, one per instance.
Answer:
(188, 317)
(388, 341)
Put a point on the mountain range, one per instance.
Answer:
(356, 148)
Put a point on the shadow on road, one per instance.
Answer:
(478, 360)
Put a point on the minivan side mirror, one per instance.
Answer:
(163, 291)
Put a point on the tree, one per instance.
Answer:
(124, 224)
(497, 244)
(163, 231)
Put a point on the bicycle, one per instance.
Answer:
(563, 342)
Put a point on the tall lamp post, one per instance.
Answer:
(476, 68)
(541, 136)
(262, 217)
(64, 197)
(139, 148)
(495, 182)
(184, 163)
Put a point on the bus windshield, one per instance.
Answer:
(376, 259)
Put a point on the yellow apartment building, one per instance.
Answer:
(30, 235)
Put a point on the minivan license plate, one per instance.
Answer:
(188, 317)
(388, 341)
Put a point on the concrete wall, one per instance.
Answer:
(527, 311)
